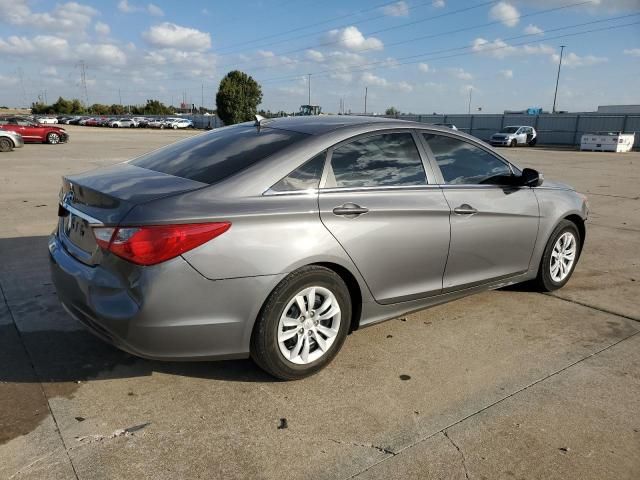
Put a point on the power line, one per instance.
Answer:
(395, 27)
(555, 95)
(425, 37)
(315, 24)
(380, 63)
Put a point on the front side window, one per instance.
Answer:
(462, 163)
(305, 177)
(216, 155)
(390, 159)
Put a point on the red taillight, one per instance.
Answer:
(149, 245)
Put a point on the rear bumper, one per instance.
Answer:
(165, 312)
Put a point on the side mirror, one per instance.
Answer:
(531, 178)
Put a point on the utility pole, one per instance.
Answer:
(555, 95)
(309, 85)
(120, 97)
(83, 80)
(469, 106)
(202, 98)
(366, 91)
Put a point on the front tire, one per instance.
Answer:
(560, 257)
(514, 143)
(53, 138)
(303, 324)
(6, 145)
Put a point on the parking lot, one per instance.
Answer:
(505, 384)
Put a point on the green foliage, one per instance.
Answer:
(238, 98)
(74, 107)
(392, 111)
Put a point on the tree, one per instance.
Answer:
(392, 111)
(238, 98)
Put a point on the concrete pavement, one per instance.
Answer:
(505, 384)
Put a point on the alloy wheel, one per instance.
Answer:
(309, 325)
(563, 256)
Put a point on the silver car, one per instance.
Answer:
(276, 239)
(513, 136)
(10, 140)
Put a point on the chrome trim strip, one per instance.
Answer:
(379, 188)
(94, 222)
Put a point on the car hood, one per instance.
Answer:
(556, 185)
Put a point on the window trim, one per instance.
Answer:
(434, 163)
(426, 166)
(271, 191)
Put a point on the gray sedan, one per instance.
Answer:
(276, 239)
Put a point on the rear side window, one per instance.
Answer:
(305, 177)
(462, 163)
(390, 159)
(214, 156)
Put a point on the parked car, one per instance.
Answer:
(179, 123)
(448, 125)
(10, 140)
(515, 135)
(274, 240)
(157, 123)
(123, 122)
(141, 122)
(47, 120)
(75, 121)
(33, 132)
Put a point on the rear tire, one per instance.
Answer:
(6, 145)
(53, 138)
(533, 142)
(294, 336)
(559, 258)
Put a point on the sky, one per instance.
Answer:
(419, 56)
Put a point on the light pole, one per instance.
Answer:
(309, 82)
(469, 106)
(555, 95)
(366, 91)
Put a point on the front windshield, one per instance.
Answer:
(509, 130)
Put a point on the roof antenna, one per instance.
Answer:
(259, 118)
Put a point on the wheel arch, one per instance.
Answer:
(579, 223)
(354, 291)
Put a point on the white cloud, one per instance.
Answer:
(593, 6)
(102, 28)
(438, 3)
(271, 59)
(170, 35)
(398, 9)
(532, 29)
(404, 87)
(572, 60)
(102, 53)
(423, 67)
(125, 7)
(6, 81)
(344, 77)
(505, 13)
(369, 78)
(634, 52)
(64, 18)
(540, 49)
(155, 10)
(49, 71)
(496, 48)
(352, 39)
(460, 73)
(508, 74)
(314, 55)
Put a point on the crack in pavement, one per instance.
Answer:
(599, 309)
(35, 372)
(366, 445)
(464, 461)
(497, 402)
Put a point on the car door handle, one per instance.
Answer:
(350, 209)
(465, 209)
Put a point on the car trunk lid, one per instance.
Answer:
(103, 197)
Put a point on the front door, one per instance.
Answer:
(376, 202)
(494, 222)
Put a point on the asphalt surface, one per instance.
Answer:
(505, 384)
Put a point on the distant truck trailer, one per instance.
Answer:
(607, 142)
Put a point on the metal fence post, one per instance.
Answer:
(575, 130)
(624, 124)
(471, 125)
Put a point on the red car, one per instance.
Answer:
(33, 132)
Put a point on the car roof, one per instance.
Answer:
(320, 124)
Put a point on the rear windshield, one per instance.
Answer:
(214, 156)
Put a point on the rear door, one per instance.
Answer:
(376, 200)
(494, 222)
